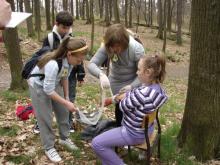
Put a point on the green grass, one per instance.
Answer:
(12, 96)
(170, 153)
(18, 159)
(9, 131)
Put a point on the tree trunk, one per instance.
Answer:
(200, 130)
(88, 19)
(12, 46)
(179, 22)
(107, 20)
(165, 27)
(29, 20)
(145, 12)
(83, 10)
(77, 9)
(93, 27)
(101, 6)
(37, 17)
(21, 5)
(116, 11)
(110, 9)
(138, 14)
(160, 20)
(47, 7)
(169, 16)
(72, 8)
(126, 13)
(130, 14)
(65, 6)
(53, 12)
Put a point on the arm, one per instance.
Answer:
(65, 85)
(5, 13)
(96, 61)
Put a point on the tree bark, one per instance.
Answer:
(12, 46)
(179, 22)
(30, 27)
(37, 17)
(160, 20)
(101, 6)
(65, 6)
(169, 15)
(21, 5)
(116, 11)
(53, 12)
(107, 20)
(126, 13)
(165, 27)
(47, 8)
(200, 129)
(93, 26)
(88, 19)
(77, 9)
(130, 14)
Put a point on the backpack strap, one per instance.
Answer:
(50, 40)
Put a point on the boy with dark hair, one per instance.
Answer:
(62, 29)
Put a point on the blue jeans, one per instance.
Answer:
(72, 95)
(104, 144)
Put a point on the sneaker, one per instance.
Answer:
(72, 129)
(69, 144)
(36, 129)
(53, 155)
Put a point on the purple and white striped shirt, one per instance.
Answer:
(137, 103)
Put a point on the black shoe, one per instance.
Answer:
(36, 129)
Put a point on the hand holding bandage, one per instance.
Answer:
(104, 81)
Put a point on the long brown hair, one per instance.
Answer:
(68, 44)
(158, 64)
(116, 34)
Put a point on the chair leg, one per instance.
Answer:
(129, 152)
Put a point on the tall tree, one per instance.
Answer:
(29, 20)
(130, 13)
(77, 9)
(72, 8)
(116, 11)
(11, 40)
(169, 16)
(160, 20)
(126, 13)
(101, 6)
(65, 5)
(37, 17)
(165, 27)
(83, 9)
(110, 5)
(179, 22)
(107, 19)
(47, 8)
(88, 19)
(21, 5)
(53, 12)
(93, 26)
(200, 130)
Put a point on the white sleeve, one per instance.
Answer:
(50, 71)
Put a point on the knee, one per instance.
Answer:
(96, 145)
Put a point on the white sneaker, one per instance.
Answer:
(53, 155)
(69, 144)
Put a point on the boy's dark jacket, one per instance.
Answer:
(78, 71)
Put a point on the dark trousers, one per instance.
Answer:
(118, 115)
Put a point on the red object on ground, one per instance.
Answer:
(108, 101)
(24, 111)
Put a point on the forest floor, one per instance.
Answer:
(18, 144)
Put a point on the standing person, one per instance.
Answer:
(124, 53)
(47, 95)
(134, 104)
(62, 29)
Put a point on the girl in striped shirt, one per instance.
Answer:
(134, 104)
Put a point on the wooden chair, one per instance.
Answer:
(152, 140)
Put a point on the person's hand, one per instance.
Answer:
(125, 89)
(80, 83)
(70, 106)
(119, 97)
(5, 13)
(104, 81)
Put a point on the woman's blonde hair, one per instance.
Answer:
(116, 34)
(158, 64)
(68, 44)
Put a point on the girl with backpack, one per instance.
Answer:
(51, 93)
